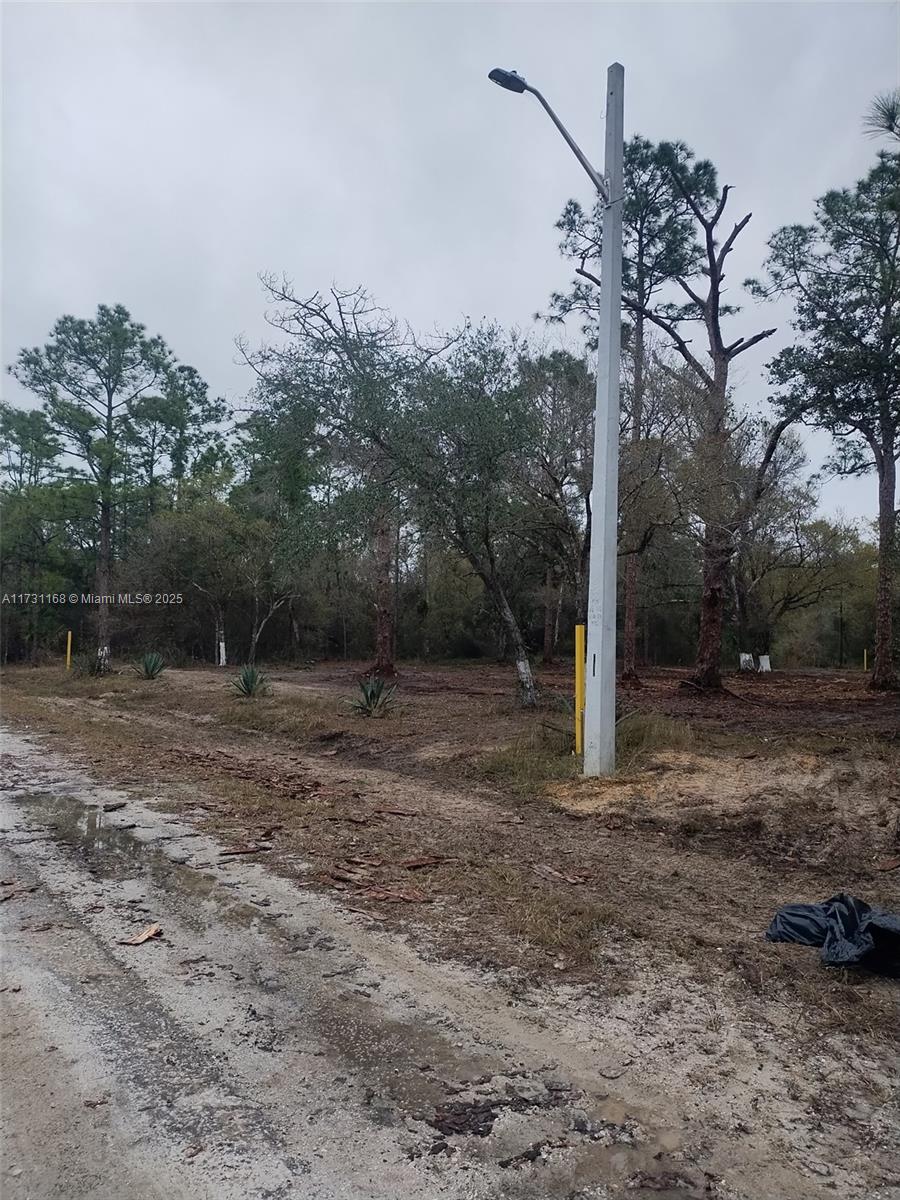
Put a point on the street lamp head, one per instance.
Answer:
(510, 80)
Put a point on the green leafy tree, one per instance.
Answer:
(31, 533)
(843, 372)
(202, 551)
(460, 446)
(556, 478)
(787, 559)
(172, 434)
(29, 446)
(90, 374)
(835, 631)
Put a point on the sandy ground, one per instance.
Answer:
(274, 1043)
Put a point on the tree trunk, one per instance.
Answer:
(395, 611)
(647, 662)
(342, 610)
(254, 632)
(884, 675)
(104, 560)
(742, 611)
(220, 639)
(295, 630)
(342, 605)
(501, 641)
(632, 566)
(584, 558)
(717, 547)
(426, 597)
(384, 597)
(120, 546)
(559, 607)
(517, 645)
(629, 626)
(549, 617)
(102, 583)
(33, 617)
(260, 624)
(708, 671)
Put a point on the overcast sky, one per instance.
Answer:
(162, 155)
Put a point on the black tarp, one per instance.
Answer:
(850, 932)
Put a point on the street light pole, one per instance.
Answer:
(600, 676)
(600, 690)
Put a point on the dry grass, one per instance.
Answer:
(297, 718)
(641, 735)
(568, 923)
(543, 755)
(539, 756)
(614, 881)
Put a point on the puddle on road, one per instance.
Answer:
(111, 851)
(404, 1062)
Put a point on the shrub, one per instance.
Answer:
(377, 698)
(149, 666)
(88, 664)
(251, 682)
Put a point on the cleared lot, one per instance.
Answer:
(622, 920)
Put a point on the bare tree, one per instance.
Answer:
(347, 361)
(659, 245)
(703, 304)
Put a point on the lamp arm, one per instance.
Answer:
(597, 180)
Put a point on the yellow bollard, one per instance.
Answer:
(69, 650)
(580, 656)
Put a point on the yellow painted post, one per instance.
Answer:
(69, 650)
(579, 688)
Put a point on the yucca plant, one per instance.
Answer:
(250, 682)
(377, 698)
(149, 666)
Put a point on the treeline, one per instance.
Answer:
(384, 495)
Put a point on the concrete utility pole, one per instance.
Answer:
(600, 690)
(600, 684)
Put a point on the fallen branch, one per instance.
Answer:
(138, 939)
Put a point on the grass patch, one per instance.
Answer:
(544, 755)
(641, 735)
(57, 681)
(91, 687)
(295, 718)
(540, 756)
(566, 923)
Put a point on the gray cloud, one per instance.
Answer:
(161, 155)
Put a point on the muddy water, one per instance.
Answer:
(111, 848)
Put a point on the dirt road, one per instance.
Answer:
(269, 1043)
